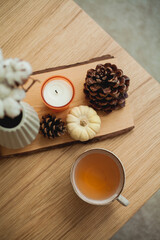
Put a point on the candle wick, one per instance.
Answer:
(56, 91)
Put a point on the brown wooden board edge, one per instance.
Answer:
(103, 57)
(94, 140)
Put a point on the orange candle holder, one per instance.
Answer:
(51, 106)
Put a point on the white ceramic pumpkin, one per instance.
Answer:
(83, 123)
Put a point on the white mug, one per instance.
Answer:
(117, 195)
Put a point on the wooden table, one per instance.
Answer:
(36, 197)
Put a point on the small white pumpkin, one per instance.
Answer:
(83, 123)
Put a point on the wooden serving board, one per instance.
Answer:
(113, 124)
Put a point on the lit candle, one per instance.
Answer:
(57, 92)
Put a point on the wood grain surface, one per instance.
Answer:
(36, 197)
(113, 124)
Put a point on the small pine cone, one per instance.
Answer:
(52, 127)
(106, 87)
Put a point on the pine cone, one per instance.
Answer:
(106, 87)
(52, 127)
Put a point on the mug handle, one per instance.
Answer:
(123, 200)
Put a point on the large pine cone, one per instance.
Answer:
(106, 87)
(52, 127)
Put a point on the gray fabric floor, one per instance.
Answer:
(135, 25)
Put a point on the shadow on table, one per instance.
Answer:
(82, 217)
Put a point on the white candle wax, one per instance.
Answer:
(57, 93)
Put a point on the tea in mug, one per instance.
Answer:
(97, 176)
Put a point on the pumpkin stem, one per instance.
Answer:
(83, 123)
